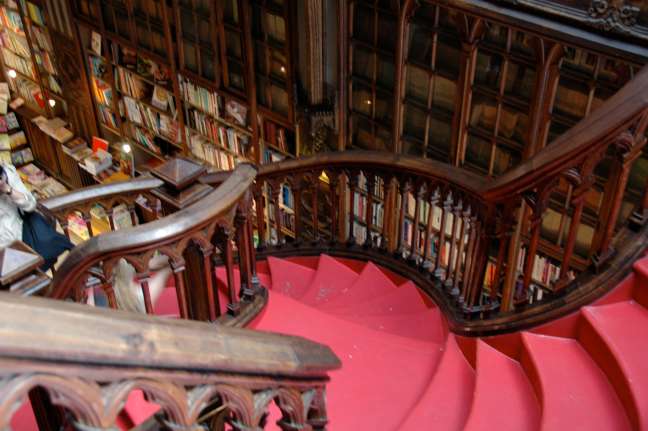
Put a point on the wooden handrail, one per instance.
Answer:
(593, 132)
(99, 192)
(207, 224)
(90, 359)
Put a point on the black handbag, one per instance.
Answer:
(42, 237)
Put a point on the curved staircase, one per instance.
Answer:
(402, 370)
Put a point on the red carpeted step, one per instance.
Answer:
(640, 292)
(369, 284)
(381, 377)
(503, 397)
(574, 392)
(618, 342)
(445, 405)
(290, 278)
(405, 299)
(331, 278)
(138, 408)
(426, 325)
(167, 303)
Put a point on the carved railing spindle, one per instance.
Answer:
(445, 210)
(371, 181)
(252, 253)
(143, 279)
(418, 193)
(208, 275)
(456, 221)
(459, 260)
(429, 232)
(403, 188)
(257, 191)
(353, 183)
(181, 290)
(315, 206)
(333, 185)
(275, 192)
(296, 187)
(469, 265)
(233, 306)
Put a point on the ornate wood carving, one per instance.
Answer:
(613, 15)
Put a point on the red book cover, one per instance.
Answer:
(99, 144)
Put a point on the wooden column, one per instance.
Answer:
(405, 13)
(471, 30)
(628, 148)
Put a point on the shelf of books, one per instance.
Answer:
(28, 56)
(361, 210)
(286, 201)
(217, 127)
(276, 142)
(100, 222)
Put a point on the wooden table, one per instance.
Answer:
(20, 270)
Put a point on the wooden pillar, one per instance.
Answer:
(405, 13)
(628, 149)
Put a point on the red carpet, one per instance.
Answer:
(403, 371)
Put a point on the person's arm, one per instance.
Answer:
(17, 191)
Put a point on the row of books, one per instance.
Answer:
(42, 39)
(543, 270)
(360, 235)
(378, 186)
(35, 14)
(131, 85)
(145, 138)
(10, 142)
(286, 218)
(100, 221)
(268, 155)
(29, 91)
(39, 183)
(226, 137)
(14, 61)
(204, 150)
(53, 84)
(146, 68)
(200, 97)
(276, 136)
(44, 60)
(21, 157)
(102, 91)
(8, 122)
(55, 128)
(287, 197)
(107, 116)
(360, 210)
(144, 115)
(16, 43)
(11, 20)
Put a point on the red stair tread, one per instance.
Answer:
(405, 299)
(138, 409)
(622, 327)
(377, 368)
(501, 382)
(640, 292)
(424, 325)
(446, 402)
(368, 285)
(575, 393)
(290, 278)
(331, 278)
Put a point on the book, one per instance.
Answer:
(17, 139)
(5, 144)
(3, 125)
(95, 43)
(12, 121)
(160, 98)
(99, 144)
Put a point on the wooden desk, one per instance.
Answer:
(20, 270)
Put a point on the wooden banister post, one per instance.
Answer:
(628, 146)
(315, 207)
(456, 221)
(445, 210)
(353, 183)
(333, 177)
(296, 186)
(369, 218)
(433, 200)
(257, 191)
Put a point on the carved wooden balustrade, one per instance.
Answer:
(80, 203)
(215, 230)
(78, 365)
(443, 227)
